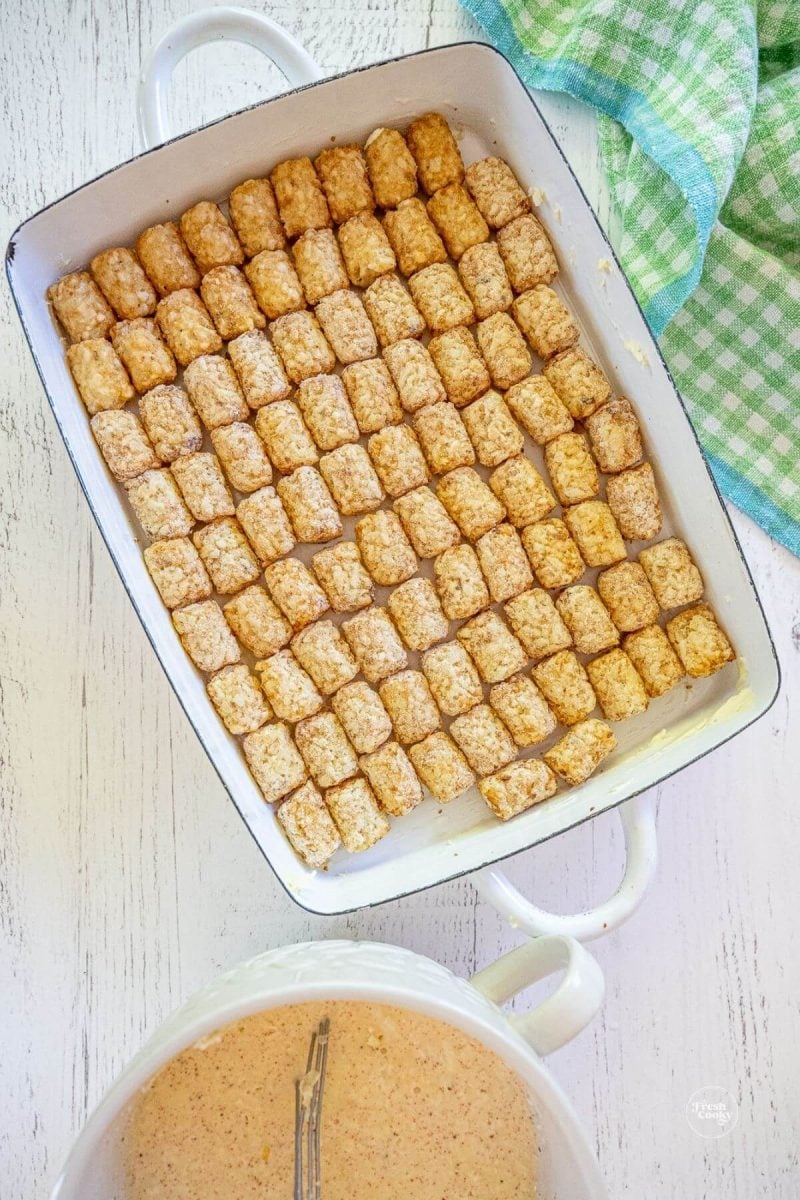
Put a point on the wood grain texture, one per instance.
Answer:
(126, 877)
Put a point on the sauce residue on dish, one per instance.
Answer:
(413, 1108)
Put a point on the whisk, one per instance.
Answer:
(308, 1093)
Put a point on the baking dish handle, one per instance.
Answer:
(639, 825)
(213, 25)
(562, 1016)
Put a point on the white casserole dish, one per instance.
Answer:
(381, 974)
(478, 90)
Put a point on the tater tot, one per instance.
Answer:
(538, 409)
(309, 826)
(426, 522)
(243, 457)
(672, 574)
(527, 253)
(295, 591)
(453, 679)
(341, 572)
(493, 431)
(171, 422)
(459, 362)
(496, 191)
(440, 298)
(435, 152)
(214, 391)
(633, 499)
(275, 283)
(324, 746)
(409, 702)
(504, 562)
(554, 555)
(652, 655)
(414, 374)
(504, 350)
(264, 520)
(366, 249)
(615, 436)
(258, 369)
(460, 583)
(319, 266)
(302, 346)
(597, 534)
(322, 651)
(385, 550)
(619, 690)
(372, 394)
(579, 753)
(628, 596)
(565, 685)
(365, 720)
(484, 739)
(417, 613)
(99, 375)
(122, 281)
(167, 263)
(239, 701)
(254, 214)
(309, 506)
(441, 766)
(301, 200)
(352, 480)
(257, 622)
(81, 307)
(578, 382)
(393, 779)
(290, 690)
(523, 710)
(587, 619)
(205, 636)
(230, 302)
(203, 487)
(443, 437)
(393, 313)
(226, 555)
(147, 358)
(326, 411)
(375, 643)
(538, 624)
(571, 467)
(699, 642)
(357, 815)
(522, 491)
(470, 502)
(413, 237)
(123, 443)
(546, 322)
(492, 646)
(345, 182)
(187, 326)
(177, 571)
(209, 237)
(286, 437)
(517, 787)
(457, 219)
(274, 761)
(391, 167)
(159, 506)
(398, 459)
(484, 277)
(347, 327)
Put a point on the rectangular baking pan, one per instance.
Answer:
(481, 95)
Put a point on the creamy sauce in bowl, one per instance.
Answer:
(413, 1109)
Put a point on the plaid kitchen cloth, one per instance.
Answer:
(700, 137)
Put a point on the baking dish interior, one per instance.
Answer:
(491, 111)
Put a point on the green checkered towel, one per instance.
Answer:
(700, 135)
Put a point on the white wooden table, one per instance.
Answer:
(126, 877)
